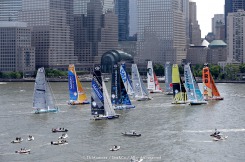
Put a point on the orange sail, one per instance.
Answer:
(77, 94)
(210, 90)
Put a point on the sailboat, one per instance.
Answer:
(194, 94)
(126, 80)
(119, 96)
(179, 92)
(210, 90)
(141, 93)
(43, 99)
(77, 94)
(101, 106)
(152, 81)
(168, 79)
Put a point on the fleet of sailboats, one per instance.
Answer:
(43, 98)
(210, 90)
(152, 82)
(77, 94)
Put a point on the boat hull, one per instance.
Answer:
(214, 99)
(180, 102)
(156, 91)
(143, 98)
(40, 111)
(78, 103)
(131, 134)
(198, 102)
(121, 107)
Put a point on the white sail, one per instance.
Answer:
(109, 110)
(150, 76)
(43, 99)
(140, 90)
(126, 80)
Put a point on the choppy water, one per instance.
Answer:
(169, 132)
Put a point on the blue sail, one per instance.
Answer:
(126, 80)
(97, 100)
(124, 95)
(72, 85)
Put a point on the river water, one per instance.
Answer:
(169, 132)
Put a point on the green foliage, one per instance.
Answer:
(158, 69)
(242, 68)
(53, 73)
(231, 72)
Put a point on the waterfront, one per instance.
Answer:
(169, 132)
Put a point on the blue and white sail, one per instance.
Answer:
(119, 96)
(43, 99)
(168, 78)
(101, 106)
(126, 80)
(141, 93)
(194, 94)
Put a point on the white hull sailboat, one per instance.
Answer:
(43, 99)
(152, 82)
(141, 93)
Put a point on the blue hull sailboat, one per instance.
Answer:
(194, 94)
(43, 99)
(101, 107)
(119, 97)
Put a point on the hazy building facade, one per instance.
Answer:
(218, 18)
(161, 31)
(232, 6)
(122, 10)
(16, 52)
(197, 54)
(236, 36)
(133, 18)
(217, 52)
(52, 31)
(9, 9)
(96, 28)
(195, 32)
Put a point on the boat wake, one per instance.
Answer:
(222, 130)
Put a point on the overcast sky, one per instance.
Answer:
(205, 12)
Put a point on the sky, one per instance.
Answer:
(205, 12)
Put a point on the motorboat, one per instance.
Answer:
(115, 148)
(30, 138)
(131, 134)
(24, 151)
(63, 136)
(17, 140)
(54, 130)
(59, 142)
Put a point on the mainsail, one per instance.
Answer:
(43, 99)
(119, 96)
(141, 92)
(77, 94)
(210, 90)
(126, 80)
(152, 81)
(168, 78)
(97, 99)
(194, 94)
(179, 92)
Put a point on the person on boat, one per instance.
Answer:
(115, 146)
(216, 132)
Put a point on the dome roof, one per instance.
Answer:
(205, 43)
(217, 43)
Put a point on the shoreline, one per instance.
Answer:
(84, 80)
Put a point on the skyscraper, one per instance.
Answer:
(52, 31)
(133, 15)
(9, 9)
(161, 31)
(195, 32)
(236, 36)
(232, 6)
(122, 10)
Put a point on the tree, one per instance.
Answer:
(158, 69)
(242, 68)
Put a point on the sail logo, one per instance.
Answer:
(97, 90)
(123, 75)
(187, 82)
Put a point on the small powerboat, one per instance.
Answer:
(59, 142)
(54, 130)
(24, 151)
(131, 134)
(136, 160)
(63, 136)
(115, 148)
(30, 138)
(219, 137)
(17, 140)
